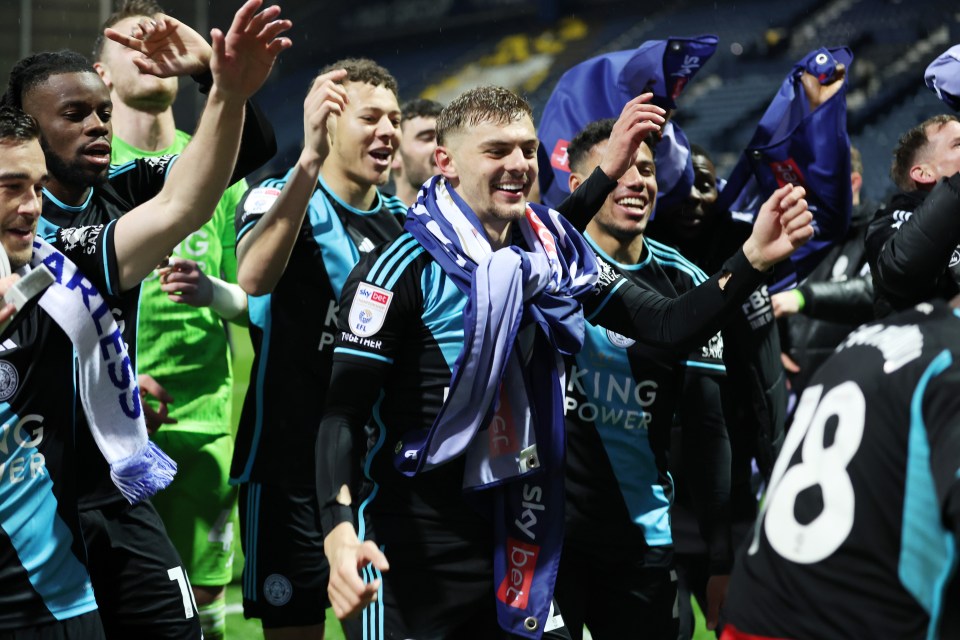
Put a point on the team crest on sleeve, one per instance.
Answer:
(260, 200)
(9, 380)
(369, 309)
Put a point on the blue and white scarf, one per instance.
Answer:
(107, 384)
(504, 410)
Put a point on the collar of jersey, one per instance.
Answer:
(67, 207)
(360, 212)
(628, 267)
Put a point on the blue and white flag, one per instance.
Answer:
(794, 145)
(504, 410)
(600, 87)
(943, 76)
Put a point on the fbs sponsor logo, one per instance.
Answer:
(369, 309)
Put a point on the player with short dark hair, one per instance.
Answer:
(620, 405)
(912, 242)
(140, 585)
(859, 530)
(298, 237)
(483, 289)
(413, 165)
(182, 350)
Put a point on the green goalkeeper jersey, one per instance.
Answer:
(183, 347)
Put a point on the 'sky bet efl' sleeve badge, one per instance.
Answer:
(369, 309)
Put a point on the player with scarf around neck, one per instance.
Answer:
(404, 321)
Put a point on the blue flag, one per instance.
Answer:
(943, 76)
(599, 88)
(795, 145)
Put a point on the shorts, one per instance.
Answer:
(444, 589)
(618, 596)
(138, 579)
(197, 508)
(285, 571)
(83, 627)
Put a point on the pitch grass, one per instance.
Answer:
(239, 628)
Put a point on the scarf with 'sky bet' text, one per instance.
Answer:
(504, 411)
(107, 385)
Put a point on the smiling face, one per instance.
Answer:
(492, 166)
(73, 111)
(626, 211)
(22, 175)
(364, 139)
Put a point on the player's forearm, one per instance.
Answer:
(264, 251)
(196, 181)
(200, 176)
(684, 322)
(919, 251)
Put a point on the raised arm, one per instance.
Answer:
(782, 225)
(263, 251)
(907, 257)
(242, 60)
(637, 121)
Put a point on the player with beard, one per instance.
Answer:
(617, 484)
(139, 583)
(429, 364)
(182, 343)
(414, 164)
(298, 237)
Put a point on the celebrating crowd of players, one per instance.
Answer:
(470, 415)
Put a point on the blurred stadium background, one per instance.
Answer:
(438, 48)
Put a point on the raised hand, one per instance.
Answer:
(637, 120)
(168, 47)
(782, 225)
(243, 57)
(818, 93)
(327, 97)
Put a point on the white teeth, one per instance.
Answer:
(631, 202)
(511, 186)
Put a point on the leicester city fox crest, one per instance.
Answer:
(369, 310)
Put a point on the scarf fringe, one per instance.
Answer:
(143, 474)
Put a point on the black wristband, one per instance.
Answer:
(334, 514)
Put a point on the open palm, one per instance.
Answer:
(242, 59)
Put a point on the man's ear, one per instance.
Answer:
(573, 182)
(445, 163)
(856, 182)
(104, 73)
(923, 174)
